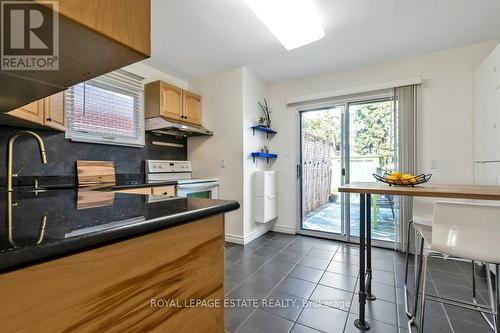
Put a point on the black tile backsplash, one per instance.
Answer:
(62, 154)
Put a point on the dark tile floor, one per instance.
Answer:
(288, 283)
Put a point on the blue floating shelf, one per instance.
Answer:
(264, 129)
(263, 155)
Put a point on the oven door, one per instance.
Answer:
(199, 190)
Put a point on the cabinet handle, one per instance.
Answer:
(49, 119)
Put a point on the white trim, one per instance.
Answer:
(344, 100)
(247, 239)
(256, 234)
(354, 90)
(284, 229)
(234, 239)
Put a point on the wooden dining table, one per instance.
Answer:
(366, 189)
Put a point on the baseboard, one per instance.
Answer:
(284, 229)
(234, 239)
(247, 239)
(256, 234)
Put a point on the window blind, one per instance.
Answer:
(406, 105)
(108, 109)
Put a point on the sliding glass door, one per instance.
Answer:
(321, 167)
(342, 144)
(372, 150)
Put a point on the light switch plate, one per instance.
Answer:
(434, 164)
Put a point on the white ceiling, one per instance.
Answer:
(196, 38)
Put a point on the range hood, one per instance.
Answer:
(164, 126)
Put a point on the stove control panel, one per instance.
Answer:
(162, 166)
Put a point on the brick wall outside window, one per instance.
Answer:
(101, 111)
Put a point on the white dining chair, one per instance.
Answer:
(468, 231)
(423, 214)
(421, 223)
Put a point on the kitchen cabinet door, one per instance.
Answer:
(192, 108)
(496, 68)
(164, 190)
(114, 288)
(33, 112)
(487, 127)
(126, 21)
(141, 190)
(170, 101)
(54, 112)
(486, 173)
(487, 75)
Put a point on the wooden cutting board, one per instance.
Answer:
(95, 172)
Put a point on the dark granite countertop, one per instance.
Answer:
(123, 181)
(57, 223)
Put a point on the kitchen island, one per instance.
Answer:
(92, 261)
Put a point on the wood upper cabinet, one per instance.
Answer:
(125, 21)
(33, 112)
(163, 99)
(47, 112)
(173, 103)
(192, 108)
(94, 37)
(54, 112)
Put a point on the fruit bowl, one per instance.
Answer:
(408, 181)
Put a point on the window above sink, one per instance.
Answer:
(107, 110)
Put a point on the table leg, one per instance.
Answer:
(369, 272)
(497, 294)
(361, 323)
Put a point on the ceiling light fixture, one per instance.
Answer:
(295, 23)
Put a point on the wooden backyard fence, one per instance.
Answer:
(317, 155)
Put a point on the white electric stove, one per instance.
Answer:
(159, 171)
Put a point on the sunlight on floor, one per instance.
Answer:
(327, 218)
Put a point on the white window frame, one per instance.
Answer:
(119, 81)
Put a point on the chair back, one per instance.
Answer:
(467, 230)
(423, 209)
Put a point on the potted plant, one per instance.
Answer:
(333, 197)
(264, 150)
(266, 118)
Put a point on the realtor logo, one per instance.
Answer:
(29, 35)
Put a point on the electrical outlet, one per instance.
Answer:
(223, 163)
(434, 164)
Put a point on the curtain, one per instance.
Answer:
(405, 104)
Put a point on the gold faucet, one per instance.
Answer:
(41, 146)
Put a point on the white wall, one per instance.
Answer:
(229, 109)
(445, 130)
(223, 114)
(151, 74)
(254, 90)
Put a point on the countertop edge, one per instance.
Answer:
(96, 240)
